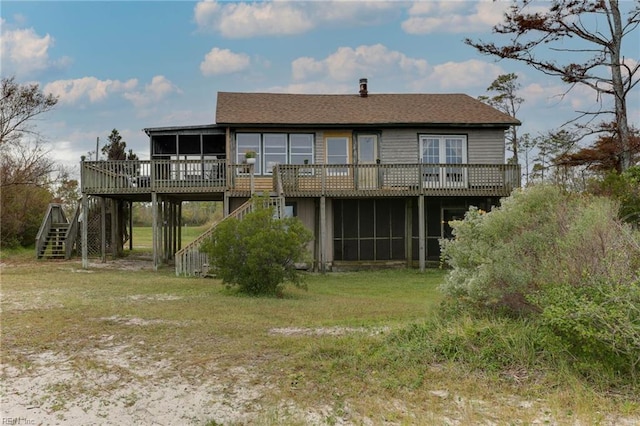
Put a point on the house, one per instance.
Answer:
(376, 177)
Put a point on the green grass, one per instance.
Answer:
(334, 345)
(143, 235)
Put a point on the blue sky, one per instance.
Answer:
(136, 64)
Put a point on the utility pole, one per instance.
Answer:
(97, 146)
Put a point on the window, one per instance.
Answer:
(275, 148)
(300, 148)
(367, 149)
(290, 210)
(249, 142)
(337, 150)
(337, 153)
(443, 149)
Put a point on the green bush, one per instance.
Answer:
(600, 319)
(538, 236)
(563, 259)
(624, 187)
(258, 253)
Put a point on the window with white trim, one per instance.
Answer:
(275, 148)
(443, 149)
(300, 148)
(337, 153)
(249, 142)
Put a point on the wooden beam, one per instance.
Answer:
(130, 225)
(180, 224)
(103, 229)
(409, 231)
(421, 231)
(154, 229)
(85, 231)
(322, 243)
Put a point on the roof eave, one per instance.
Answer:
(371, 125)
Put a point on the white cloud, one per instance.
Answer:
(364, 61)
(158, 89)
(453, 16)
(275, 18)
(24, 51)
(223, 61)
(240, 20)
(462, 75)
(91, 88)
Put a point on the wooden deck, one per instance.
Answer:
(192, 177)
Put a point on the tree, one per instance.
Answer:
(115, 148)
(19, 105)
(506, 86)
(258, 253)
(605, 70)
(527, 144)
(25, 182)
(551, 146)
(67, 193)
(602, 155)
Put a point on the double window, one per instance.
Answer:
(443, 149)
(275, 148)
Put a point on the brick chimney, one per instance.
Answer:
(363, 88)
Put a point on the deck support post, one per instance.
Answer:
(85, 231)
(179, 225)
(103, 229)
(154, 230)
(421, 229)
(322, 246)
(116, 241)
(130, 225)
(409, 231)
(225, 204)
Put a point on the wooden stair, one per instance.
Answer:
(57, 236)
(54, 242)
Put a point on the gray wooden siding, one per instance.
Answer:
(399, 146)
(486, 146)
(402, 146)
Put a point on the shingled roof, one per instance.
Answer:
(280, 109)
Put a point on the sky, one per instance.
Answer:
(131, 65)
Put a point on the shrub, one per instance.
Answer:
(258, 253)
(600, 319)
(538, 236)
(564, 259)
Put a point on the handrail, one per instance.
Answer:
(189, 259)
(54, 214)
(72, 233)
(44, 230)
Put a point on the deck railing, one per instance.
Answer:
(144, 176)
(396, 179)
(185, 176)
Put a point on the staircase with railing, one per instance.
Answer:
(57, 236)
(191, 261)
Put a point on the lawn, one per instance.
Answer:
(143, 236)
(115, 345)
